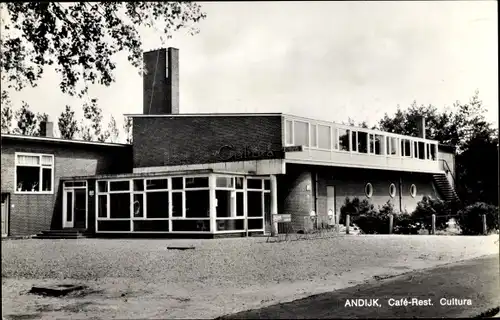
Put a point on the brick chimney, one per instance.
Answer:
(161, 81)
(47, 129)
(420, 122)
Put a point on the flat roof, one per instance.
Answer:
(153, 174)
(178, 115)
(61, 140)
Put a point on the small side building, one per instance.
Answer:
(32, 167)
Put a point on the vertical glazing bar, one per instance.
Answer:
(213, 208)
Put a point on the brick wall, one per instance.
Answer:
(294, 197)
(32, 213)
(160, 141)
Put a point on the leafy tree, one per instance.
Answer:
(477, 167)
(465, 127)
(80, 39)
(114, 133)
(127, 126)
(91, 126)
(68, 126)
(26, 121)
(453, 127)
(7, 113)
(41, 117)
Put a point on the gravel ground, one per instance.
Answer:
(134, 278)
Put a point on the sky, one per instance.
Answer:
(326, 60)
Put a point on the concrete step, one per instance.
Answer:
(65, 231)
(58, 237)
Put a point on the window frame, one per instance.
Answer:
(289, 135)
(313, 135)
(413, 187)
(40, 166)
(392, 194)
(308, 132)
(369, 194)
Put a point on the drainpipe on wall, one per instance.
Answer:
(316, 197)
(400, 195)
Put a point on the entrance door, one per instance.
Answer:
(75, 208)
(5, 214)
(330, 204)
(80, 208)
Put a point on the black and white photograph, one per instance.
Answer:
(249, 160)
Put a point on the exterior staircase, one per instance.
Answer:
(72, 233)
(445, 188)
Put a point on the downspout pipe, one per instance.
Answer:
(316, 196)
(400, 195)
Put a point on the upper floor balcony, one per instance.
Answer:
(329, 143)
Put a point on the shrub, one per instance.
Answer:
(375, 221)
(354, 208)
(404, 223)
(470, 218)
(426, 208)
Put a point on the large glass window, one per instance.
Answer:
(119, 185)
(421, 150)
(119, 205)
(377, 143)
(138, 206)
(139, 185)
(362, 142)
(415, 149)
(157, 204)
(102, 206)
(314, 137)
(226, 205)
(239, 182)
(254, 203)
(392, 146)
(354, 141)
(34, 173)
(102, 186)
(289, 132)
(324, 137)
(199, 182)
(177, 204)
(344, 139)
(254, 184)
(406, 147)
(224, 182)
(301, 133)
(431, 153)
(157, 184)
(177, 183)
(197, 203)
(240, 204)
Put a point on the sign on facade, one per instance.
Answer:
(282, 218)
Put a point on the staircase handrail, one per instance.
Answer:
(455, 184)
(449, 170)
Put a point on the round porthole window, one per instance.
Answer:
(392, 190)
(413, 190)
(369, 190)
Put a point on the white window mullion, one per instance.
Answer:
(40, 178)
(131, 209)
(108, 207)
(245, 203)
(263, 209)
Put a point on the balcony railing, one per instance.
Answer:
(336, 144)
